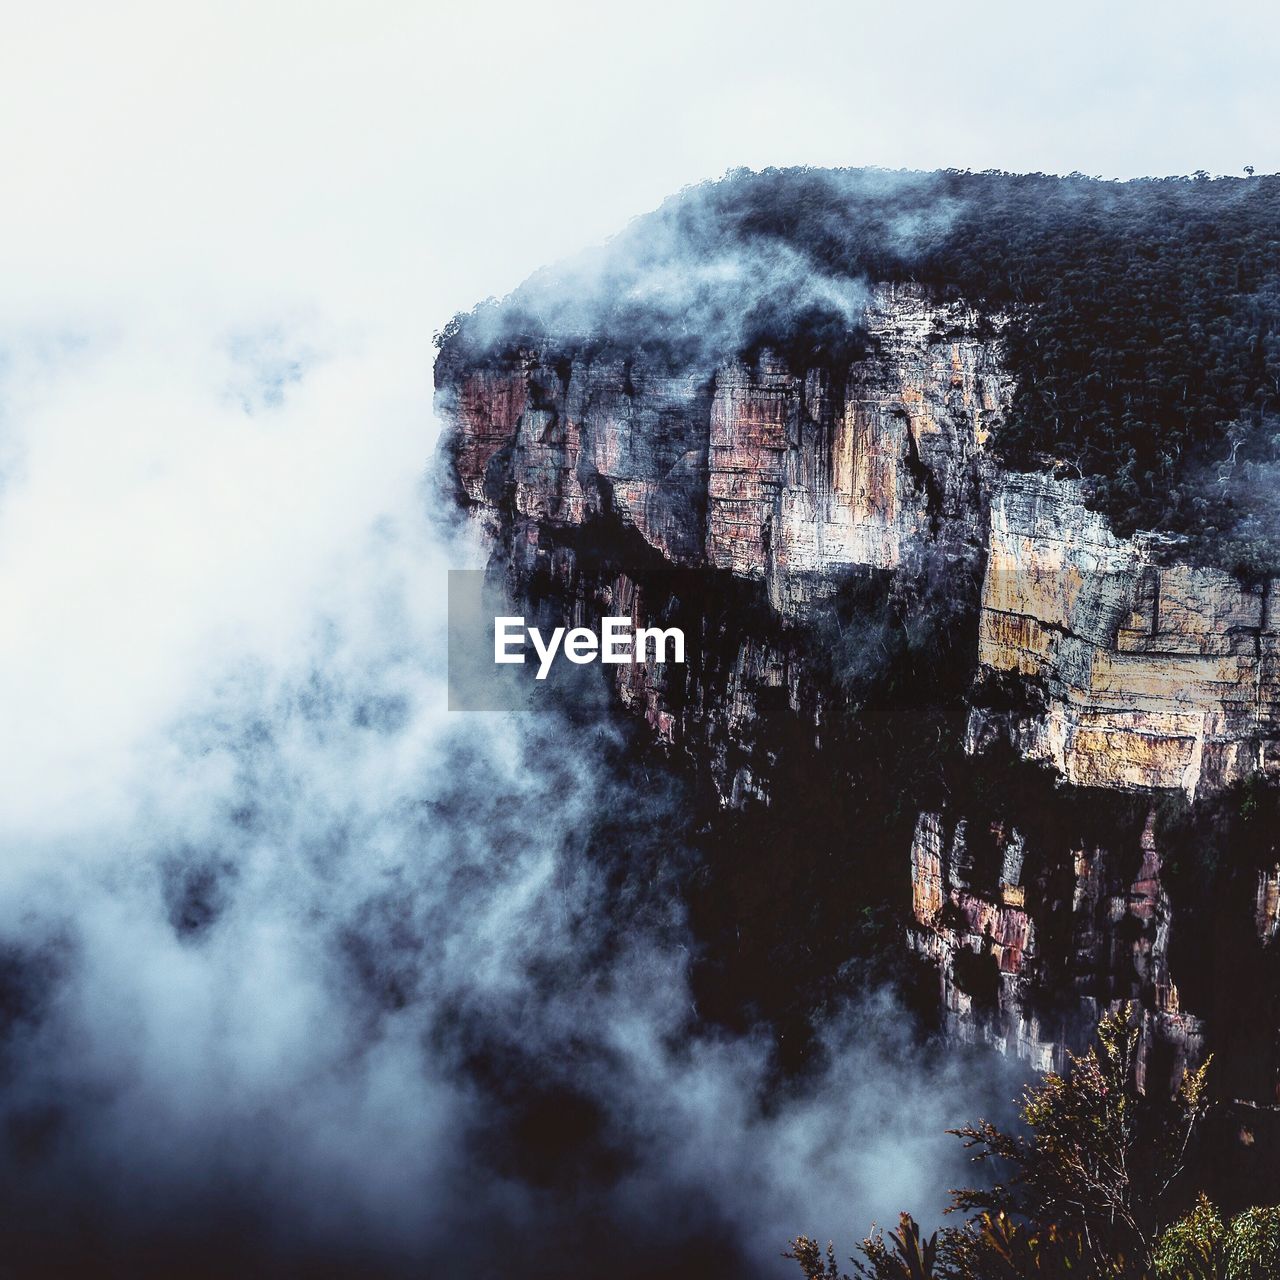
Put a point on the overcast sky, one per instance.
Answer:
(385, 151)
(322, 185)
(227, 234)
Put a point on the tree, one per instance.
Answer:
(1090, 1189)
(1102, 1159)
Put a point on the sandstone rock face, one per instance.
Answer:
(1267, 914)
(1117, 948)
(952, 918)
(565, 443)
(774, 475)
(805, 478)
(1138, 673)
(1157, 674)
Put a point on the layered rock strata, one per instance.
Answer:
(993, 971)
(1136, 673)
(775, 475)
(1158, 674)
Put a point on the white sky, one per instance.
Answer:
(440, 151)
(337, 179)
(193, 195)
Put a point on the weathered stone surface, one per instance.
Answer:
(806, 477)
(779, 477)
(1267, 911)
(564, 443)
(773, 474)
(1118, 951)
(1155, 674)
(1141, 673)
(1158, 675)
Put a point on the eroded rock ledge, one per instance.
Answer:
(1135, 673)
(1157, 674)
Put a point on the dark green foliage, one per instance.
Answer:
(1252, 1247)
(1191, 1249)
(906, 1255)
(813, 1262)
(815, 337)
(1200, 1247)
(1089, 1189)
(996, 1247)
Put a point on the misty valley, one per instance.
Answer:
(961, 488)
(769, 734)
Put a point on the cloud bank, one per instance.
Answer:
(298, 972)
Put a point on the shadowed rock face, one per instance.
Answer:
(1138, 674)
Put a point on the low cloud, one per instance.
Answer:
(297, 970)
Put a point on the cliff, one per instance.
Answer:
(1158, 674)
(775, 475)
(1130, 673)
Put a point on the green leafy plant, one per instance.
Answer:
(1191, 1249)
(1088, 1191)
(1251, 1250)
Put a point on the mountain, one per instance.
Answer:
(960, 485)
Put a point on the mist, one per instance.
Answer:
(711, 272)
(299, 971)
(300, 974)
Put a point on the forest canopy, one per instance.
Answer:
(1140, 316)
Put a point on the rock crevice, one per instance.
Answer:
(1133, 672)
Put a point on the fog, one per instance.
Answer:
(295, 966)
(298, 972)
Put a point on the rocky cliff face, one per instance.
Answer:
(1131, 673)
(1111, 942)
(1156, 674)
(775, 475)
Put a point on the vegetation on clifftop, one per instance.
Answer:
(1143, 317)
